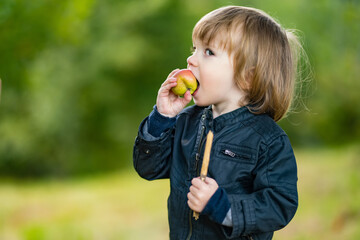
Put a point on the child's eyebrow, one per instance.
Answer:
(212, 45)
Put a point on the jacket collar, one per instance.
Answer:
(217, 124)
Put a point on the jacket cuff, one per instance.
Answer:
(157, 123)
(218, 206)
(237, 219)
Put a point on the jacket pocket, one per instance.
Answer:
(232, 165)
(240, 154)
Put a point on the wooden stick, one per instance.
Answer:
(205, 163)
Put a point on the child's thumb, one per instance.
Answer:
(187, 96)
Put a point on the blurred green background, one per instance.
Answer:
(78, 76)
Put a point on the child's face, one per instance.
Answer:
(213, 68)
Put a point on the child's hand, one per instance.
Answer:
(168, 104)
(200, 193)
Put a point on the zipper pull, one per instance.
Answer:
(229, 153)
(197, 158)
(203, 117)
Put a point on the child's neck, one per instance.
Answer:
(220, 110)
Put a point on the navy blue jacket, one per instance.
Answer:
(251, 159)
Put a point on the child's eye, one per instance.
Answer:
(193, 49)
(208, 52)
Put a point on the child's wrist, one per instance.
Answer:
(160, 110)
(163, 117)
(157, 123)
(218, 206)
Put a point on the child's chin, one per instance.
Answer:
(199, 103)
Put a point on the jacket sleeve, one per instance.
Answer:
(274, 199)
(151, 156)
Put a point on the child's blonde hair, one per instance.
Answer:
(264, 55)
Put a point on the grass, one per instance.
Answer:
(123, 206)
(119, 206)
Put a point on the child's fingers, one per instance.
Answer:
(187, 96)
(167, 85)
(209, 184)
(194, 207)
(210, 181)
(193, 202)
(196, 182)
(170, 81)
(192, 198)
(191, 205)
(193, 189)
(173, 73)
(197, 193)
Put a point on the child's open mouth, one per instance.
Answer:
(198, 85)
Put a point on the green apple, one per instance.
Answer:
(185, 81)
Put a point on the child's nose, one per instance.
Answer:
(191, 60)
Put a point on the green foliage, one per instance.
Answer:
(79, 76)
(332, 38)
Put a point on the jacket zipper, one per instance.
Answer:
(190, 230)
(197, 159)
(197, 155)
